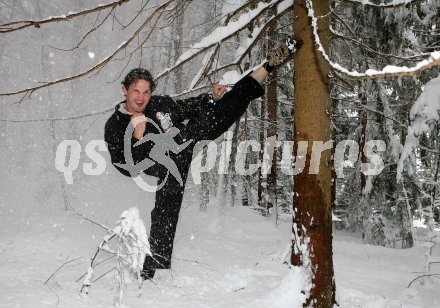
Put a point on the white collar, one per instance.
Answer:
(123, 110)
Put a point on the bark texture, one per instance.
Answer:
(312, 198)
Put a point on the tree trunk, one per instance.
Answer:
(247, 194)
(363, 124)
(312, 221)
(362, 206)
(204, 187)
(177, 47)
(232, 178)
(272, 102)
(261, 177)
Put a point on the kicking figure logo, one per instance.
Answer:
(164, 143)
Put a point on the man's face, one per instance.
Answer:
(138, 95)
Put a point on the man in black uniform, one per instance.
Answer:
(142, 120)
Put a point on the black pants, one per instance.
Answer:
(208, 126)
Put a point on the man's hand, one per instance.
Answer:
(139, 122)
(218, 91)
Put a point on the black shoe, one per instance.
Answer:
(278, 56)
(147, 274)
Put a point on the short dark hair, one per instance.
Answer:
(138, 74)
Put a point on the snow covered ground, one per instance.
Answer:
(220, 261)
(223, 258)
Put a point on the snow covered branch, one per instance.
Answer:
(23, 24)
(223, 33)
(241, 52)
(424, 113)
(128, 242)
(60, 267)
(388, 71)
(391, 4)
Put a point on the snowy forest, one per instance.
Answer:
(325, 193)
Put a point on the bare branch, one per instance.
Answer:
(59, 119)
(106, 273)
(150, 33)
(385, 116)
(95, 265)
(421, 276)
(137, 14)
(239, 10)
(101, 64)
(94, 28)
(368, 48)
(190, 91)
(178, 10)
(20, 25)
(61, 266)
(122, 70)
(90, 220)
(207, 64)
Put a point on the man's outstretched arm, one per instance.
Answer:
(193, 106)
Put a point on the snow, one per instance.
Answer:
(230, 78)
(425, 111)
(232, 260)
(335, 218)
(288, 293)
(427, 105)
(233, 266)
(385, 4)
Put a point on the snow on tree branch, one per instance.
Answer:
(101, 64)
(23, 24)
(210, 58)
(128, 242)
(423, 114)
(237, 11)
(244, 49)
(394, 3)
(388, 71)
(223, 33)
